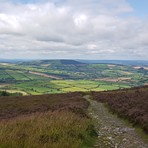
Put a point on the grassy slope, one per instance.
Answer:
(53, 121)
(128, 103)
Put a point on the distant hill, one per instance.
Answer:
(117, 62)
(76, 62)
(53, 62)
(70, 62)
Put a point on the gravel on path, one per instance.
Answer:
(112, 131)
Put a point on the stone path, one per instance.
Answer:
(112, 131)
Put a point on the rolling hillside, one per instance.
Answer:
(54, 62)
(61, 76)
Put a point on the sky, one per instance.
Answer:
(74, 29)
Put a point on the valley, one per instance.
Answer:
(61, 76)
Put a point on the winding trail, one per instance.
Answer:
(112, 131)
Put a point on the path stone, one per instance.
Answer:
(112, 131)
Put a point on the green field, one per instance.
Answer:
(48, 77)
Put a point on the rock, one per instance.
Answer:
(110, 138)
(124, 140)
(126, 129)
(116, 145)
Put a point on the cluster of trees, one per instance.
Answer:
(5, 93)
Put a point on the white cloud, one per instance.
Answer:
(72, 29)
(92, 46)
(80, 20)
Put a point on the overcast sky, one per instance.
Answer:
(74, 29)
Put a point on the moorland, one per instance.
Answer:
(64, 120)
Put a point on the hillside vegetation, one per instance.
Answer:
(62, 120)
(128, 103)
(45, 121)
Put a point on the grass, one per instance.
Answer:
(17, 75)
(5, 76)
(51, 129)
(35, 87)
(15, 91)
(55, 121)
(109, 87)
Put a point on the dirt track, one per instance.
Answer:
(112, 131)
(45, 75)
